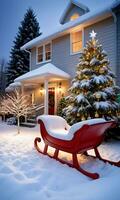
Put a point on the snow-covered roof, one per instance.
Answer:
(8, 89)
(12, 86)
(15, 84)
(46, 71)
(90, 17)
(80, 5)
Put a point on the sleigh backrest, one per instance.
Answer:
(54, 122)
(93, 134)
(74, 128)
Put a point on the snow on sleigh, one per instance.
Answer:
(77, 139)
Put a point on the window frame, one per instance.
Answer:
(71, 52)
(48, 51)
(44, 53)
(40, 54)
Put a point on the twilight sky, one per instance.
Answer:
(12, 12)
(48, 13)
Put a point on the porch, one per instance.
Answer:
(45, 85)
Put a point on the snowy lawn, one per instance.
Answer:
(27, 175)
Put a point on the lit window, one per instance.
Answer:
(48, 51)
(73, 17)
(76, 41)
(40, 54)
(44, 53)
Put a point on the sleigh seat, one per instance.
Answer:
(75, 139)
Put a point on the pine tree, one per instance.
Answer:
(19, 60)
(93, 91)
(62, 104)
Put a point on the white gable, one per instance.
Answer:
(72, 8)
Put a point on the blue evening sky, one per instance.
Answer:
(48, 13)
(12, 12)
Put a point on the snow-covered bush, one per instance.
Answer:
(118, 98)
(11, 121)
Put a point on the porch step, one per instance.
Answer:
(27, 124)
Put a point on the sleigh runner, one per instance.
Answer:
(77, 139)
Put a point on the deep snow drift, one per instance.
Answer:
(27, 175)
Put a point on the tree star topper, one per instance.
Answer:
(93, 35)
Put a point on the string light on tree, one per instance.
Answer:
(18, 105)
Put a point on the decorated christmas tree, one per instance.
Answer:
(93, 91)
(19, 60)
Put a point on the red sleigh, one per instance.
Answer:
(77, 139)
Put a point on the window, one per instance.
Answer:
(48, 51)
(76, 41)
(74, 16)
(40, 54)
(44, 53)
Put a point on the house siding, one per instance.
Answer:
(118, 46)
(33, 58)
(106, 34)
(61, 57)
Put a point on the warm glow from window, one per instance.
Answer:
(76, 41)
(73, 17)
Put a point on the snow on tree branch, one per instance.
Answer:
(16, 104)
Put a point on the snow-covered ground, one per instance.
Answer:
(27, 175)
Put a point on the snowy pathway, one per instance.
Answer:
(27, 175)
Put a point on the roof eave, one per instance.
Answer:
(45, 71)
(50, 76)
(85, 22)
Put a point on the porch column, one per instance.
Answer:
(33, 97)
(22, 89)
(46, 97)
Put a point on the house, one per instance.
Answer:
(54, 56)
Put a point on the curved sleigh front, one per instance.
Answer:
(83, 138)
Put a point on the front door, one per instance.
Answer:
(51, 101)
